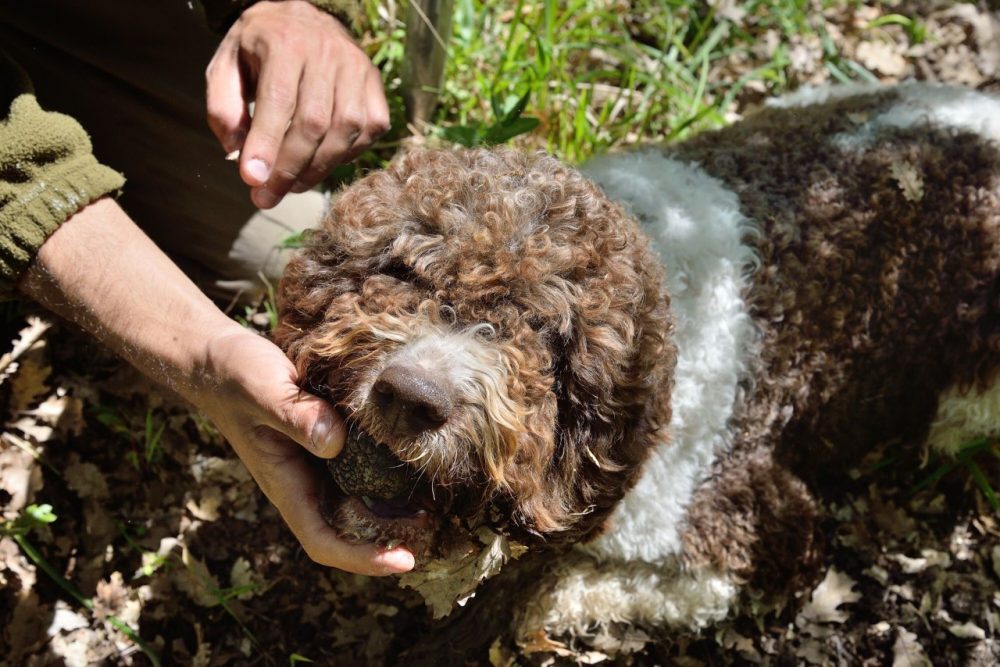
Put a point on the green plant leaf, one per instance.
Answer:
(465, 135)
(296, 240)
(515, 107)
(503, 133)
(40, 514)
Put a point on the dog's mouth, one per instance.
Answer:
(372, 496)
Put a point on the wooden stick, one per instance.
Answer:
(428, 27)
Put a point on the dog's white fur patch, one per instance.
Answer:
(696, 227)
(917, 103)
(636, 593)
(963, 417)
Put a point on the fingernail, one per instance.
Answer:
(321, 437)
(264, 198)
(258, 170)
(398, 560)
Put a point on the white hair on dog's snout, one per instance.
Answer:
(475, 371)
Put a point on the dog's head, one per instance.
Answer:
(495, 331)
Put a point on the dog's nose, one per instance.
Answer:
(412, 399)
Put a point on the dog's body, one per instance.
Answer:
(832, 280)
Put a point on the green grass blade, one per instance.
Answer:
(982, 483)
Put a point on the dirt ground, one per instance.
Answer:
(159, 526)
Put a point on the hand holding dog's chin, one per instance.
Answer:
(253, 398)
(100, 271)
(318, 98)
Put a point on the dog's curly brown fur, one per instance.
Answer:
(452, 240)
(841, 307)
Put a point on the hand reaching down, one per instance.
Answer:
(318, 99)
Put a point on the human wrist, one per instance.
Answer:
(211, 375)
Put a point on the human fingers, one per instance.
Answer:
(349, 135)
(309, 421)
(226, 107)
(310, 128)
(274, 106)
(292, 485)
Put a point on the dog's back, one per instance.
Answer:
(834, 268)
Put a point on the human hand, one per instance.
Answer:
(166, 327)
(252, 397)
(318, 100)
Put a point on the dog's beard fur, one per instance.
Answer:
(536, 305)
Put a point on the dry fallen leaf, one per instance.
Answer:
(86, 480)
(824, 605)
(909, 180)
(928, 558)
(731, 639)
(20, 476)
(26, 367)
(26, 337)
(500, 656)
(196, 581)
(967, 630)
(219, 470)
(540, 642)
(907, 651)
(60, 411)
(207, 508)
(445, 582)
(241, 575)
(813, 651)
(203, 658)
(66, 620)
(28, 384)
(115, 598)
(883, 57)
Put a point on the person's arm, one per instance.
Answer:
(77, 253)
(318, 99)
(100, 271)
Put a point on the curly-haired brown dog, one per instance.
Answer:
(502, 327)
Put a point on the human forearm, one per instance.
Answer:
(101, 272)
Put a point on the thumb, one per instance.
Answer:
(314, 424)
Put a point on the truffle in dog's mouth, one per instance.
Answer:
(371, 496)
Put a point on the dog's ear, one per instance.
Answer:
(613, 375)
